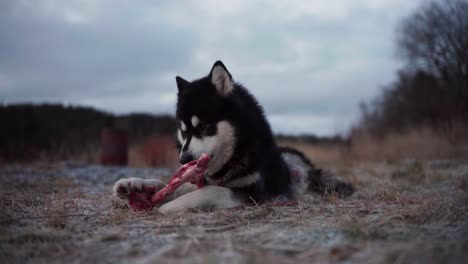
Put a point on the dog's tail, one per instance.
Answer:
(326, 183)
(316, 179)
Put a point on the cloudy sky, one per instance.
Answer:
(309, 63)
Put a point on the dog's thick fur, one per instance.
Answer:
(220, 117)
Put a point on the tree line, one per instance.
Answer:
(29, 130)
(432, 88)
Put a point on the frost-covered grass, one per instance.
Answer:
(405, 211)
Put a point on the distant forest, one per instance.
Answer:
(432, 88)
(29, 131)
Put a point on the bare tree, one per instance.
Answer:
(434, 39)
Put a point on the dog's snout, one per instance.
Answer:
(186, 158)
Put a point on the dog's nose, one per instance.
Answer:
(185, 158)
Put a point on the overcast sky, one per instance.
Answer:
(309, 63)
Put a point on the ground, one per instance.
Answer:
(402, 212)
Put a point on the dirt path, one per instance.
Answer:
(403, 212)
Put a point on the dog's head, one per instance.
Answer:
(204, 107)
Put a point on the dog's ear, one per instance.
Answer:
(181, 83)
(221, 78)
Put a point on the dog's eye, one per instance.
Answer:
(183, 134)
(201, 127)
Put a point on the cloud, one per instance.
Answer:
(308, 62)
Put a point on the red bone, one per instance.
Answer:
(191, 172)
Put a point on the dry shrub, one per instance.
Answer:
(421, 143)
(156, 152)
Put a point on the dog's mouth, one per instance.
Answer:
(204, 160)
(215, 163)
(211, 162)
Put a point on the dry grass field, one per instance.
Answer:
(404, 211)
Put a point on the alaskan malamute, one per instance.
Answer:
(217, 116)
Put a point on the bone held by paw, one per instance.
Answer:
(191, 172)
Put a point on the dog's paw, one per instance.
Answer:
(123, 187)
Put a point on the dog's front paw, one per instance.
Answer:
(123, 187)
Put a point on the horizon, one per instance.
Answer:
(171, 115)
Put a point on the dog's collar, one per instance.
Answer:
(226, 173)
(221, 177)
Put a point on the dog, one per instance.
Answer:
(218, 116)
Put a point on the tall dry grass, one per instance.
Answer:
(422, 143)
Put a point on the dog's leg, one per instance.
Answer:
(182, 190)
(123, 187)
(206, 198)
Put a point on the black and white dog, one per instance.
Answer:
(220, 117)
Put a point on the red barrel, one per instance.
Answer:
(114, 147)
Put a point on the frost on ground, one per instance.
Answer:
(402, 212)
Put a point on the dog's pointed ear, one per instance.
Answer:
(181, 83)
(221, 79)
